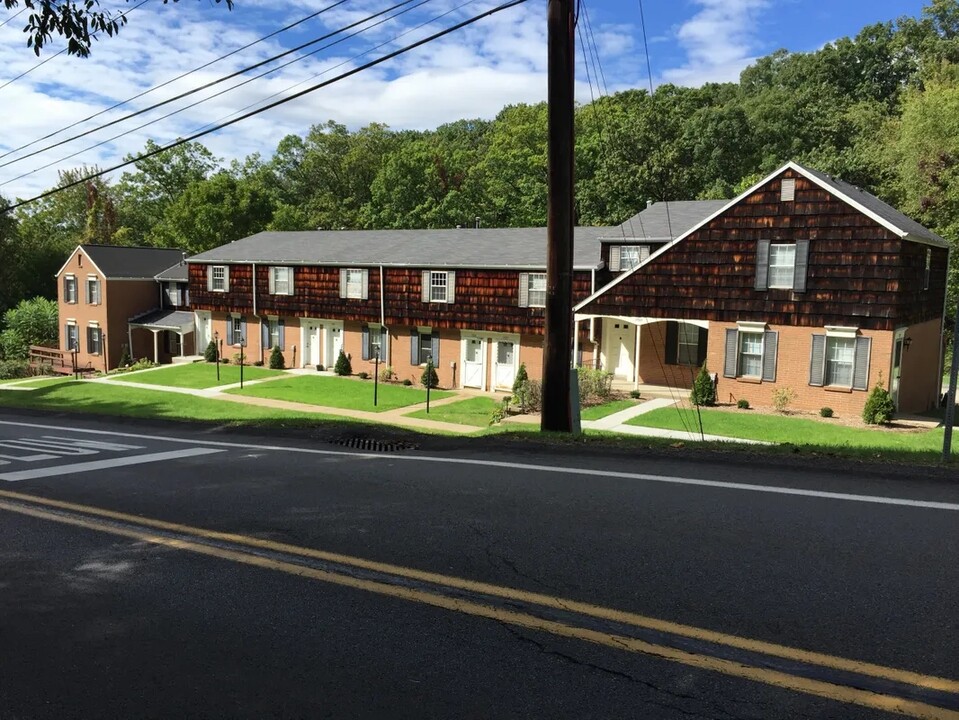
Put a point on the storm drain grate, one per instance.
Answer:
(374, 445)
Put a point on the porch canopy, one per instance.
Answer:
(156, 321)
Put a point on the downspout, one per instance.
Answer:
(260, 329)
(254, 289)
(592, 320)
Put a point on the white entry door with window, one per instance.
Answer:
(505, 359)
(311, 343)
(620, 348)
(474, 370)
(334, 342)
(204, 328)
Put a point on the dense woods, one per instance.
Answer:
(880, 110)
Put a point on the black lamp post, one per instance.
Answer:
(429, 380)
(376, 373)
(216, 352)
(240, 345)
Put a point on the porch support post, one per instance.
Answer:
(130, 339)
(575, 343)
(182, 346)
(156, 348)
(639, 330)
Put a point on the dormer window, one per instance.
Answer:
(626, 257)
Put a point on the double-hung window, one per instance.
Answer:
(687, 349)
(94, 340)
(626, 257)
(70, 289)
(425, 344)
(782, 266)
(273, 333)
(355, 283)
(928, 271)
(93, 291)
(374, 342)
(751, 352)
(840, 359)
(438, 286)
(532, 291)
(218, 278)
(72, 336)
(281, 281)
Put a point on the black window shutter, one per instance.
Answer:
(366, 342)
(265, 334)
(701, 347)
(282, 333)
(860, 368)
(672, 342)
(817, 359)
(762, 265)
(229, 330)
(383, 340)
(770, 350)
(436, 348)
(732, 350)
(414, 346)
(802, 263)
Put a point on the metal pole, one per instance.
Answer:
(216, 354)
(376, 374)
(951, 396)
(429, 380)
(557, 414)
(241, 365)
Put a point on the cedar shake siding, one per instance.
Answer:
(859, 273)
(483, 299)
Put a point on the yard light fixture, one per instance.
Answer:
(216, 353)
(376, 373)
(240, 345)
(429, 380)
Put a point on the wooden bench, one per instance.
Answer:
(53, 360)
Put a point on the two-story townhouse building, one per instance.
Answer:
(472, 299)
(100, 288)
(802, 282)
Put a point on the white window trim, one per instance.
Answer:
(70, 278)
(826, 379)
(792, 266)
(530, 291)
(841, 331)
(226, 281)
(357, 294)
(274, 279)
(739, 353)
(435, 274)
(428, 332)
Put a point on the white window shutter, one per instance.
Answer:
(615, 257)
(366, 284)
(342, 282)
(731, 359)
(290, 274)
(524, 289)
(451, 286)
(226, 278)
(209, 277)
(272, 281)
(426, 286)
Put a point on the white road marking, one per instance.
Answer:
(105, 464)
(669, 479)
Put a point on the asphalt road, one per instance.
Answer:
(107, 610)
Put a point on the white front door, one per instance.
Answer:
(504, 364)
(473, 366)
(311, 343)
(334, 343)
(202, 321)
(620, 348)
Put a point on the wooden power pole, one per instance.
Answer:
(558, 347)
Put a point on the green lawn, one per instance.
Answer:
(794, 430)
(105, 399)
(475, 411)
(596, 412)
(198, 375)
(36, 381)
(338, 392)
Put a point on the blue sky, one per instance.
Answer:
(473, 73)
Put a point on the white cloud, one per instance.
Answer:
(719, 41)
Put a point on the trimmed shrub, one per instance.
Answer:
(225, 360)
(429, 378)
(407, 382)
(825, 412)
(521, 377)
(782, 397)
(501, 411)
(258, 363)
(343, 366)
(879, 408)
(387, 375)
(704, 391)
(277, 362)
(363, 375)
(241, 359)
(14, 369)
(742, 404)
(126, 360)
(595, 386)
(210, 353)
(530, 396)
(635, 394)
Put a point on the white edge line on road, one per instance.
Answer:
(105, 464)
(824, 494)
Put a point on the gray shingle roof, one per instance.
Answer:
(666, 220)
(116, 261)
(464, 248)
(905, 224)
(164, 319)
(179, 272)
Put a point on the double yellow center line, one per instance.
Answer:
(850, 681)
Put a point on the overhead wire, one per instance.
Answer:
(213, 83)
(283, 101)
(234, 87)
(13, 17)
(164, 84)
(63, 50)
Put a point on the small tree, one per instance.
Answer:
(126, 360)
(879, 408)
(521, 377)
(210, 353)
(704, 391)
(429, 378)
(782, 397)
(276, 359)
(343, 366)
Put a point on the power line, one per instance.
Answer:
(12, 17)
(163, 84)
(223, 92)
(295, 96)
(62, 50)
(206, 86)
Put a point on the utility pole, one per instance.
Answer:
(557, 349)
(950, 417)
